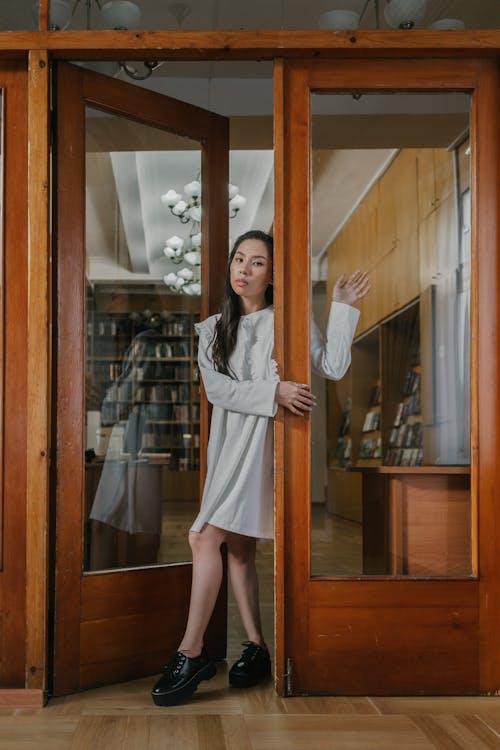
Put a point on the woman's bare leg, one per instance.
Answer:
(206, 581)
(245, 584)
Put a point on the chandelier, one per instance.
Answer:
(115, 14)
(398, 14)
(186, 207)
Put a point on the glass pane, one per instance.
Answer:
(19, 16)
(261, 14)
(391, 439)
(143, 238)
(1, 290)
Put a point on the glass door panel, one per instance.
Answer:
(143, 239)
(130, 423)
(390, 488)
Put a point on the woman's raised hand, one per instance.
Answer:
(350, 290)
(295, 396)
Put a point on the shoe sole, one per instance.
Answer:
(176, 696)
(240, 681)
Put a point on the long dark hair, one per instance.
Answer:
(226, 328)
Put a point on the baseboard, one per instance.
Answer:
(22, 698)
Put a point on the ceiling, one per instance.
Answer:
(258, 14)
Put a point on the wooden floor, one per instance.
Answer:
(217, 717)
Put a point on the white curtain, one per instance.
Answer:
(452, 336)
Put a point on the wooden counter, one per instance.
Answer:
(417, 521)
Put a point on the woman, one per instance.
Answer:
(241, 381)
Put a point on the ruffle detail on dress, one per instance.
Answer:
(247, 367)
(274, 370)
(205, 330)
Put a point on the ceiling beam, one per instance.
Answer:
(250, 45)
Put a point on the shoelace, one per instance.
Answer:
(176, 663)
(250, 652)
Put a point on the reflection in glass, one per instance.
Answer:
(142, 389)
(391, 486)
(1, 288)
(261, 14)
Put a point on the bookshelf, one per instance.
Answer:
(142, 377)
(378, 419)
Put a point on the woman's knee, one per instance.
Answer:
(209, 537)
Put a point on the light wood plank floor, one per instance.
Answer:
(217, 717)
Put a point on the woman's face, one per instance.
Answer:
(251, 270)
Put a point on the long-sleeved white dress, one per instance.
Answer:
(239, 486)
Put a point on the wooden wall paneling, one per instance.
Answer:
(387, 233)
(427, 250)
(279, 279)
(426, 182)
(444, 178)
(71, 388)
(485, 177)
(404, 173)
(39, 387)
(447, 234)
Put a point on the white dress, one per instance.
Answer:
(239, 486)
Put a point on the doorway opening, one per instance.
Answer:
(144, 199)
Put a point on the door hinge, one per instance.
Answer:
(52, 127)
(289, 677)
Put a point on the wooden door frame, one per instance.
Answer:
(98, 593)
(478, 600)
(13, 380)
(39, 48)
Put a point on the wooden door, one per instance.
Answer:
(122, 623)
(375, 634)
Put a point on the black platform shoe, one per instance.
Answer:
(253, 666)
(181, 677)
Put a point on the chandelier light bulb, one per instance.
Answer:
(59, 14)
(339, 19)
(186, 207)
(193, 257)
(120, 14)
(195, 214)
(192, 189)
(171, 198)
(179, 208)
(175, 242)
(237, 202)
(448, 23)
